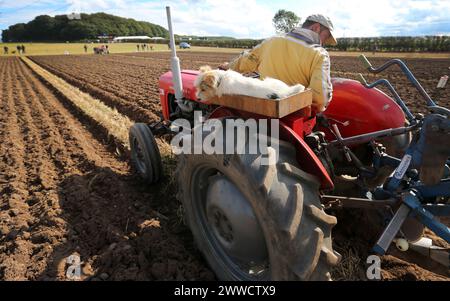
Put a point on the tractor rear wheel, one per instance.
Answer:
(145, 154)
(257, 222)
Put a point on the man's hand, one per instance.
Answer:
(224, 66)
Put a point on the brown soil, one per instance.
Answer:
(130, 81)
(427, 72)
(126, 82)
(62, 193)
(102, 211)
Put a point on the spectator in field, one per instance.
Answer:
(5, 50)
(107, 49)
(137, 47)
(23, 49)
(19, 49)
(85, 48)
(295, 58)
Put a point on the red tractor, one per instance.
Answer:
(267, 222)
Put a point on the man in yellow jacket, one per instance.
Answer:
(295, 58)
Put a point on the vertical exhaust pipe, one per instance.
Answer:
(186, 106)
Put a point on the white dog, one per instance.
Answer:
(210, 83)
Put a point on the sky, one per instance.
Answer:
(253, 18)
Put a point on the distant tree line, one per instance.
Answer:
(235, 43)
(395, 44)
(214, 42)
(380, 44)
(89, 26)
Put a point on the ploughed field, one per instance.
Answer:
(64, 191)
(126, 82)
(427, 72)
(130, 81)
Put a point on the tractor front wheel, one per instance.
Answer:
(145, 155)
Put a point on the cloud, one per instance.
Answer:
(356, 18)
(22, 11)
(206, 17)
(22, 4)
(253, 18)
(249, 19)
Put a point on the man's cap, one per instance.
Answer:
(325, 21)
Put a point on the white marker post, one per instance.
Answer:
(442, 82)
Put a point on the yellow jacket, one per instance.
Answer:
(292, 58)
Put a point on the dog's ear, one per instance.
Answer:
(205, 68)
(198, 80)
(209, 80)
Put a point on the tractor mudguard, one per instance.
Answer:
(306, 158)
(357, 110)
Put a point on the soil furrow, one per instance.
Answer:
(16, 218)
(63, 193)
(95, 207)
